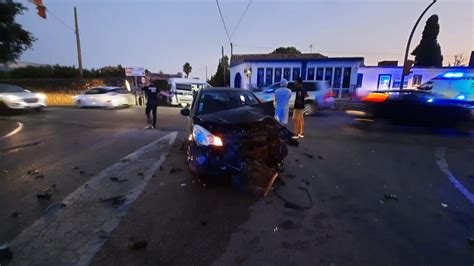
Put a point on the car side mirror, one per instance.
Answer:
(185, 111)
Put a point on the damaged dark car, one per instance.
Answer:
(232, 133)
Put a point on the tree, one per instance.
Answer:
(459, 60)
(217, 80)
(14, 40)
(187, 68)
(286, 50)
(428, 52)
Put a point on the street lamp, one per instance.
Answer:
(406, 66)
(248, 73)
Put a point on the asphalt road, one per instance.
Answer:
(341, 171)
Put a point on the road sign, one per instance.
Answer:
(134, 71)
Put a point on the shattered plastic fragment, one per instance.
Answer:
(183, 185)
(310, 156)
(391, 197)
(33, 172)
(138, 245)
(5, 252)
(444, 205)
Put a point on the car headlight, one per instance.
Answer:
(12, 98)
(41, 96)
(203, 137)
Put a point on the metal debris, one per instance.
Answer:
(138, 245)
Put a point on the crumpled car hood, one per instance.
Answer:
(240, 115)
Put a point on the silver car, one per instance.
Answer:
(15, 97)
(320, 95)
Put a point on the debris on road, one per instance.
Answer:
(161, 168)
(45, 195)
(138, 245)
(118, 180)
(54, 206)
(33, 172)
(381, 201)
(82, 172)
(310, 156)
(268, 202)
(140, 174)
(117, 200)
(75, 168)
(444, 205)
(294, 206)
(15, 214)
(5, 252)
(203, 222)
(102, 234)
(471, 241)
(39, 177)
(183, 185)
(320, 157)
(176, 170)
(391, 197)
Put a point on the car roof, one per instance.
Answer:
(223, 89)
(107, 87)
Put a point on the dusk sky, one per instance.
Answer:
(163, 35)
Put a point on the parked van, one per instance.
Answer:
(182, 90)
(452, 85)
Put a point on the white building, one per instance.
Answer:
(371, 78)
(260, 70)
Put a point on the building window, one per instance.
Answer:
(360, 78)
(396, 84)
(384, 82)
(269, 76)
(328, 75)
(346, 80)
(417, 80)
(277, 74)
(296, 73)
(337, 77)
(319, 73)
(287, 73)
(310, 73)
(260, 73)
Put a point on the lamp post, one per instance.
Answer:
(248, 73)
(406, 67)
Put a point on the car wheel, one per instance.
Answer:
(310, 108)
(39, 109)
(80, 104)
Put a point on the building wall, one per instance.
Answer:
(371, 75)
(240, 68)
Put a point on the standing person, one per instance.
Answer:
(151, 93)
(282, 100)
(298, 110)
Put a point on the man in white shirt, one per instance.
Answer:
(282, 100)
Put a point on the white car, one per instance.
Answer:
(452, 85)
(109, 97)
(320, 95)
(15, 97)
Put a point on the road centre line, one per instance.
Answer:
(15, 131)
(443, 165)
(72, 235)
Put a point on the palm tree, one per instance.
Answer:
(187, 68)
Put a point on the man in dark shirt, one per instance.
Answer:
(298, 109)
(151, 93)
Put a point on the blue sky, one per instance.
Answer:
(163, 35)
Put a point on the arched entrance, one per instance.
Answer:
(238, 81)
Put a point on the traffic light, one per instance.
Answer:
(41, 8)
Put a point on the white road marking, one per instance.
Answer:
(443, 165)
(74, 234)
(15, 131)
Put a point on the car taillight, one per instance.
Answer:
(375, 97)
(329, 94)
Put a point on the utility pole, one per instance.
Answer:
(405, 63)
(206, 73)
(223, 66)
(78, 43)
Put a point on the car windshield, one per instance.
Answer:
(215, 101)
(97, 91)
(6, 88)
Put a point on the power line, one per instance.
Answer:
(59, 19)
(223, 22)
(241, 17)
